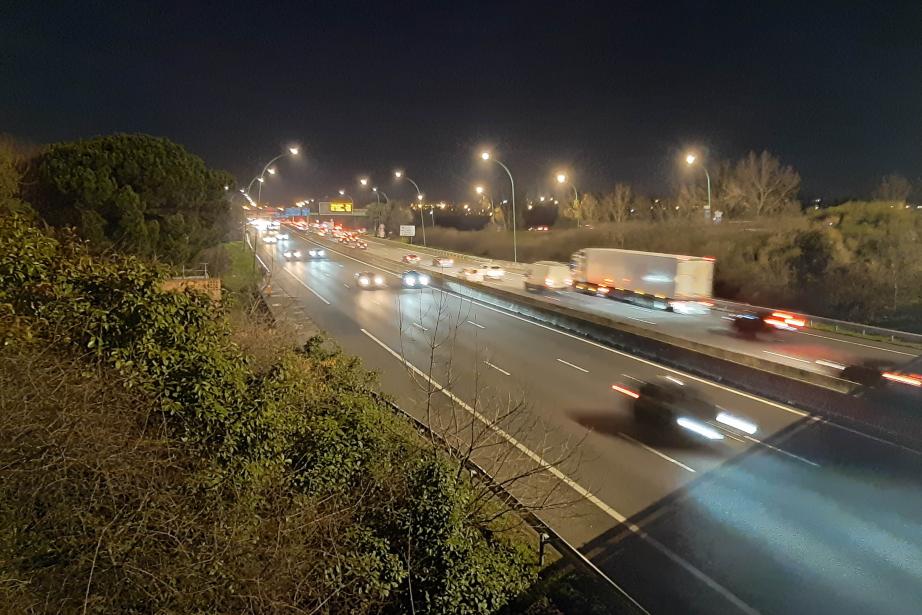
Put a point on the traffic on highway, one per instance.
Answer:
(655, 443)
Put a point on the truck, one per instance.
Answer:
(671, 282)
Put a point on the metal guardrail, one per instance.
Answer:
(545, 533)
(818, 322)
(838, 326)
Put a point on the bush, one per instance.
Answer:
(167, 470)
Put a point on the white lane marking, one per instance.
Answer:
(318, 295)
(767, 402)
(419, 326)
(499, 369)
(573, 366)
(825, 363)
(656, 452)
(780, 450)
(784, 356)
(476, 325)
(676, 380)
(346, 285)
(632, 377)
(572, 484)
(835, 339)
(649, 322)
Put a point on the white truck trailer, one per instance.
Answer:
(663, 281)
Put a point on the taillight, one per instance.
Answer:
(910, 380)
(625, 391)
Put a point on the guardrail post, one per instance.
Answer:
(543, 539)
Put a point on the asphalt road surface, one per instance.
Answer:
(812, 350)
(805, 517)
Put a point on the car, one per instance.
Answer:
(443, 261)
(369, 280)
(414, 279)
(282, 236)
(668, 402)
(292, 255)
(541, 229)
(548, 275)
(472, 274)
(315, 253)
(270, 239)
(360, 245)
(411, 259)
(493, 272)
(752, 323)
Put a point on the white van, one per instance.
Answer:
(548, 275)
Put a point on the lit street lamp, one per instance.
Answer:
(292, 151)
(419, 197)
(486, 156)
(690, 159)
(562, 179)
(481, 191)
(382, 193)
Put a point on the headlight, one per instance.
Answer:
(424, 280)
(409, 280)
(379, 280)
(699, 428)
(736, 423)
(312, 252)
(297, 253)
(321, 252)
(364, 281)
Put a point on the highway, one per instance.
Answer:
(821, 352)
(806, 516)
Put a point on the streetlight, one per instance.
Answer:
(562, 179)
(419, 197)
(486, 156)
(292, 151)
(690, 159)
(480, 190)
(363, 181)
(382, 193)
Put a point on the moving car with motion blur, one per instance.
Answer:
(751, 324)
(410, 259)
(443, 261)
(472, 274)
(315, 253)
(492, 272)
(547, 275)
(671, 403)
(292, 255)
(414, 279)
(270, 239)
(369, 280)
(282, 236)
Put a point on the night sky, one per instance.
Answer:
(613, 91)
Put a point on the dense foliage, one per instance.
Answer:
(859, 261)
(135, 193)
(149, 463)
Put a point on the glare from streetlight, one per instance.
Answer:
(690, 159)
(398, 174)
(561, 178)
(364, 181)
(226, 187)
(260, 179)
(374, 188)
(479, 189)
(272, 171)
(342, 193)
(242, 191)
(485, 155)
(419, 197)
(293, 150)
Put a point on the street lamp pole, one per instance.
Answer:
(690, 159)
(515, 253)
(419, 198)
(292, 151)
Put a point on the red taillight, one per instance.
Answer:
(627, 392)
(902, 378)
(796, 322)
(782, 315)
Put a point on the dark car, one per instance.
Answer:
(292, 255)
(669, 402)
(369, 280)
(414, 279)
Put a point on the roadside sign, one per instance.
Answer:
(407, 230)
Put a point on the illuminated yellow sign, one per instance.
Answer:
(340, 206)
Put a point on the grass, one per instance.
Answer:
(240, 275)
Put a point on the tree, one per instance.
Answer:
(137, 193)
(760, 186)
(391, 214)
(616, 205)
(10, 177)
(893, 187)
